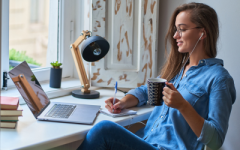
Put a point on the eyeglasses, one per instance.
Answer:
(182, 30)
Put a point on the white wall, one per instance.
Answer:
(228, 50)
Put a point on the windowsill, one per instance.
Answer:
(67, 86)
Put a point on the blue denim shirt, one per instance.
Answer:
(210, 90)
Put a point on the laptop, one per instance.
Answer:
(41, 107)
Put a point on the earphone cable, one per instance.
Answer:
(186, 61)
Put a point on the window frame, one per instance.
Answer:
(62, 38)
(0, 44)
(4, 36)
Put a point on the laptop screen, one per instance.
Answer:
(29, 87)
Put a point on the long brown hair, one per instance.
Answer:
(203, 16)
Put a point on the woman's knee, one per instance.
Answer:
(104, 127)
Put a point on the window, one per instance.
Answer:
(48, 27)
(36, 10)
(28, 32)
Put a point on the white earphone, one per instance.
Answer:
(201, 35)
(188, 58)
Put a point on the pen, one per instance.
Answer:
(114, 95)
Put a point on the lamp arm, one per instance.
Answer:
(79, 62)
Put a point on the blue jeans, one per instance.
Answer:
(111, 136)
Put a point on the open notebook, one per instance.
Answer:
(124, 112)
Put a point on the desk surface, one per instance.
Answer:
(33, 134)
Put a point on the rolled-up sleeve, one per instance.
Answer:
(221, 98)
(141, 93)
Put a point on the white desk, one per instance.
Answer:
(33, 134)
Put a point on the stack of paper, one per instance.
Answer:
(10, 111)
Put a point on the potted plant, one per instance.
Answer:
(55, 75)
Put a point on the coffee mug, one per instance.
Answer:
(155, 89)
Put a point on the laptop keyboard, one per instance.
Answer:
(60, 111)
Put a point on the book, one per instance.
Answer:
(12, 113)
(9, 103)
(124, 112)
(11, 125)
(14, 118)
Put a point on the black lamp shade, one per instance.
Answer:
(94, 48)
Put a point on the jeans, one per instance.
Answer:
(111, 136)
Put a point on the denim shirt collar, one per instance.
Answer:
(211, 61)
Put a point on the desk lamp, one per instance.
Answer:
(93, 49)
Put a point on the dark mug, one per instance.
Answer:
(155, 89)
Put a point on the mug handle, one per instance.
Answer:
(167, 86)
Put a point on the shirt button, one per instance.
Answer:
(161, 116)
(185, 75)
(201, 61)
(152, 130)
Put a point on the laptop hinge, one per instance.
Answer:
(43, 109)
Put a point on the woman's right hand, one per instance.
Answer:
(116, 108)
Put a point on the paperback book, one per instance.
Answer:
(9, 119)
(10, 125)
(12, 113)
(9, 103)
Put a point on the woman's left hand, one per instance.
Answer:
(172, 97)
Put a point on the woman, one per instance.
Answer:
(198, 103)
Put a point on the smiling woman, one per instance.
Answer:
(188, 18)
(197, 101)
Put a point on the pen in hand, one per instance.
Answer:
(114, 96)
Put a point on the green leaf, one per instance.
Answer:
(56, 64)
(21, 56)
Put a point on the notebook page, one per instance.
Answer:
(124, 112)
